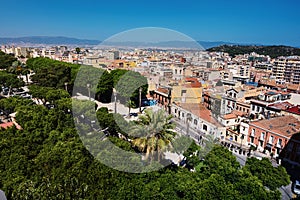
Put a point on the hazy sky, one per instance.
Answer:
(263, 21)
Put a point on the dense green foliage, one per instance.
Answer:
(128, 84)
(52, 73)
(270, 176)
(6, 60)
(47, 160)
(272, 51)
(10, 80)
(87, 80)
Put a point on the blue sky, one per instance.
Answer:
(260, 22)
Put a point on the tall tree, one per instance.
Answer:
(128, 85)
(6, 60)
(105, 88)
(272, 177)
(153, 134)
(130, 104)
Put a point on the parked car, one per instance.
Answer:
(296, 188)
(133, 114)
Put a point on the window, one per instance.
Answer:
(235, 138)
(195, 121)
(262, 136)
(234, 95)
(182, 114)
(252, 139)
(271, 139)
(175, 110)
(253, 132)
(204, 127)
(279, 143)
(261, 143)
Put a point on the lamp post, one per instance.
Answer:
(115, 99)
(66, 86)
(188, 119)
(140, 99)
(88, 85)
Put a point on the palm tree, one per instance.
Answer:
(153, 134)
(130, 104)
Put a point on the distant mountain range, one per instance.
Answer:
(54, 40)
(48, 40)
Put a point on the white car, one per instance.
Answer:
(296, 187)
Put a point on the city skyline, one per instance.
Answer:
(236, 22)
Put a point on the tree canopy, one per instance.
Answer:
(6, 60)
(10, 80)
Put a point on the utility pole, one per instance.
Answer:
(89, 90)
(115, 99)
(66, 86)
(140, 99)
(188, 119)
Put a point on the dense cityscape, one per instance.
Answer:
(104, 100)
(246, 105)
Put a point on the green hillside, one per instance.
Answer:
(272, 51)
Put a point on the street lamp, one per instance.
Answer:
(88, 85)
(188, 119)
(66, 86)
(115, 99)
(140, 99)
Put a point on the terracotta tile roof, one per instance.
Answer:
(289, 86)
(281, 105)
(201, 111)
(284, 125)
(6, 125)
(10, 124)
(192, 82)
(239, 113)
(293, 86)
(229, 116)
(294, 109)
(163, 90)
